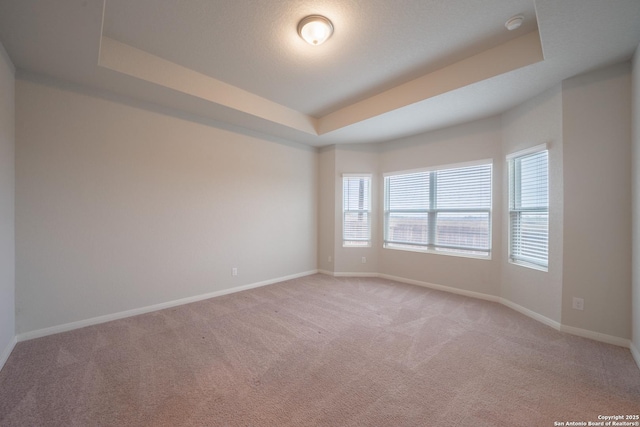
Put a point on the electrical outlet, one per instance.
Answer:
(364, 259)
(578, 303)
(234, 271)
(330, 259)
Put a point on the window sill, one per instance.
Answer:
(529, 265)
(434, 252)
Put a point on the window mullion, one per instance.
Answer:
(529, 209)
(356, 218)
(433, 185)
(446, 211)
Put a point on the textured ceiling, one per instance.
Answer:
(391, 69)
(254, 44)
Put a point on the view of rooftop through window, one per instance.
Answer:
(447, 210)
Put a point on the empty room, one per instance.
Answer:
(319, 213)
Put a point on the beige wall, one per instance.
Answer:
(597, 208)
(636, 205)
(592, 113)
(120, 207)
(536, 122)
(472, 141)
(357, 159)
(7, 206)
(326, 208)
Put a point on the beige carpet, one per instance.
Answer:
(319, 351)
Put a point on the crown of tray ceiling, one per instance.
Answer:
(389, 70)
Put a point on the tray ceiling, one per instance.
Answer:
(391, 69)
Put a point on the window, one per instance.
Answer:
(446, 210)
(356, 208)
(529, 207)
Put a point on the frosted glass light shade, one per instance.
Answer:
(514, 22)
(315, 29)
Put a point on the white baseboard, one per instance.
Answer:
(449, 289)
(532, 314)
(4, 356)
(635, 352)
(347, 274)
(597, 336)
(142, 310)
(464, 292)
(609, 339)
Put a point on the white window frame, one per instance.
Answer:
(432, 212)
(365, 210)
(515, 212)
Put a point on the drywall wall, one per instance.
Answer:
(120, 207)
(537, 121)
(635, 301)
(326, 208)
(357, 159)
(468, 142)
(7, 206)
(590, 204)
(597, 207)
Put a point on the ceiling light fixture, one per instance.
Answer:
(315, 29)
(514, 22)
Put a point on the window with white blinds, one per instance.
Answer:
(529, 208)
(356, 208)
(445, 210)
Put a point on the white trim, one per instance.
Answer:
(354, 274)
(597, 336)
(443, 167)
(449, 289)
(142, 310)
(426, 250)
(525, 264)
(369, 179)
(635, 352)
(357, 175)
(4, 356)
(478, 295)
(514, 184)
(530, 150)
(532, 314)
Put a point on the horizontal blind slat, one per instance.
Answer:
(529, 208)
(356, 223)
(456, 217)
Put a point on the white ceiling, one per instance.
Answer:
(391, 69)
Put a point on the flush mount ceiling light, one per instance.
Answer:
(315, 29)
(514, 22)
